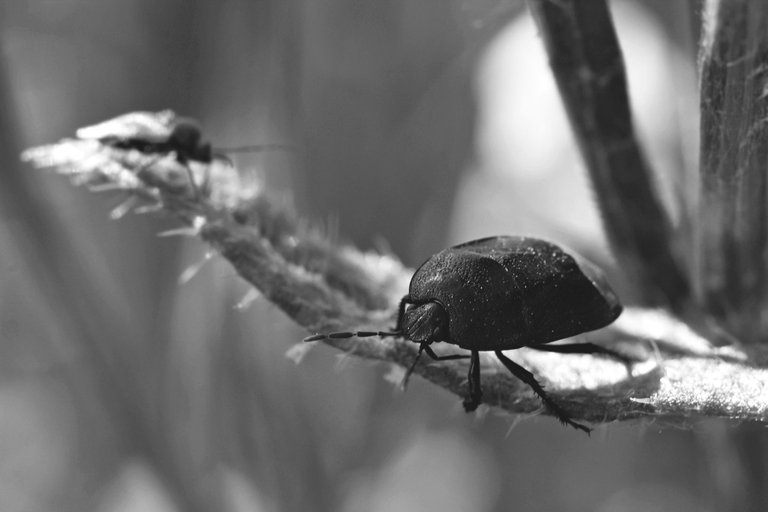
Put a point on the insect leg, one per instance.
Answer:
(191, 177)
(431, 353)
(475, 391)
(527, 377)
(222, 156)
(408, 372)
(585, 348)
(143, 168)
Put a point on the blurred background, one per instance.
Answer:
(419, 125)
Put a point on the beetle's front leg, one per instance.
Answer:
(431, 354)
(475, 397)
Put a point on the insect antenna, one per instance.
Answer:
(350, 334)
(369, 334)
(257, 148)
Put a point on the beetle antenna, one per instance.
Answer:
(350, 334)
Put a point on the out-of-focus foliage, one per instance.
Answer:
(380, 97)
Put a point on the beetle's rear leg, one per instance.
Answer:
(475, 391)
(527, 377)
(587, 348)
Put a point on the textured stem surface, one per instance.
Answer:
(326, 286)
(733, 264)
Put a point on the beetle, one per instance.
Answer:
(503, 293)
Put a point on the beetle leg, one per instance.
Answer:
(408, 372)
(586, 348)
(475, 391)
(431, 353)
(527, 377)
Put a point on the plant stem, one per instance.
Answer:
(732, 270)
(586, 59)
(327, 287)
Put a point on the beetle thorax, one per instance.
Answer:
(425, 323)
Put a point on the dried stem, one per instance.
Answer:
(325, 286)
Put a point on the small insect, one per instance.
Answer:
(160, 133)
(502, 293)
(153, 132)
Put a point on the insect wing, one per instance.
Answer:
(152, 127)
(562, 293)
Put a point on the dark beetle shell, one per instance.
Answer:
(507, 292)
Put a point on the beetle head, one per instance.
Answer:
(420, 323)
(425, 323)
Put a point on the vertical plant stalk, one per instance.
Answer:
(586, 59)
(732, 239)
